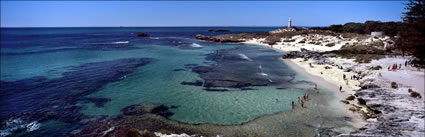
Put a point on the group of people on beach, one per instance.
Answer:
(396, 66)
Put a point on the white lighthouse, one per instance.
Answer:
(283, 29)
(289, 22)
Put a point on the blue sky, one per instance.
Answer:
(195, 13)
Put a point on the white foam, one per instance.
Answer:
(263, 74)
(109, 130)
(243, 56)
(120, 42)
(33, 126)
(154, 37)
(173, 135)
(11, 125)
(195, 45)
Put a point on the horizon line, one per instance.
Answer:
(144, 26)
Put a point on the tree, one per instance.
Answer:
(371, 26)
(412, 35)
(353, 27)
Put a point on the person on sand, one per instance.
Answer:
(343, 76)
(298, 99)
(340, 88)
(389, 68)
(405, 64)
(399, 66)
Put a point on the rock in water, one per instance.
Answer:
(141, 34)
(215, 39)
(218, 30)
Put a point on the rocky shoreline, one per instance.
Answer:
(215, 39)
(388, 111)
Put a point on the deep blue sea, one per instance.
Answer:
(54, 79)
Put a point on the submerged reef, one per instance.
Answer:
(41, 99)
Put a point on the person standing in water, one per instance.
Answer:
(306, 96)
(302, 103)
(293, 104)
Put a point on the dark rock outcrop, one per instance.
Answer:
(218, 30)
(147, 107)
(350, 97)
(215, 39)
(361, 101)
(196, 83)
(141, 34)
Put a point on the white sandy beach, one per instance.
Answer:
(356, 121)
(406, 77)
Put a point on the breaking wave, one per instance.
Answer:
(12, 125)
(120, 42)
(263, 74)
(243, 56)
(196, 45)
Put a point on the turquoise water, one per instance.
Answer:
(52, 53)
(158, 83)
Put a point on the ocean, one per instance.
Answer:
(57, 80)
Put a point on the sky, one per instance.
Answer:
(195, 13)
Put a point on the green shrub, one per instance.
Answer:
(414, 94)
(394, 85)
(330, 44)
(288, 40)
(375, 68)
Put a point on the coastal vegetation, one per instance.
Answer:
(412, 36)
(389, 28)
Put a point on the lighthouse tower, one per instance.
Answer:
(289, 22)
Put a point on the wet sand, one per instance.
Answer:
(357, 121)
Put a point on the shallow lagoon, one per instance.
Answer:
(159, 82)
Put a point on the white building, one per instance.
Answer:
(289, 23)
